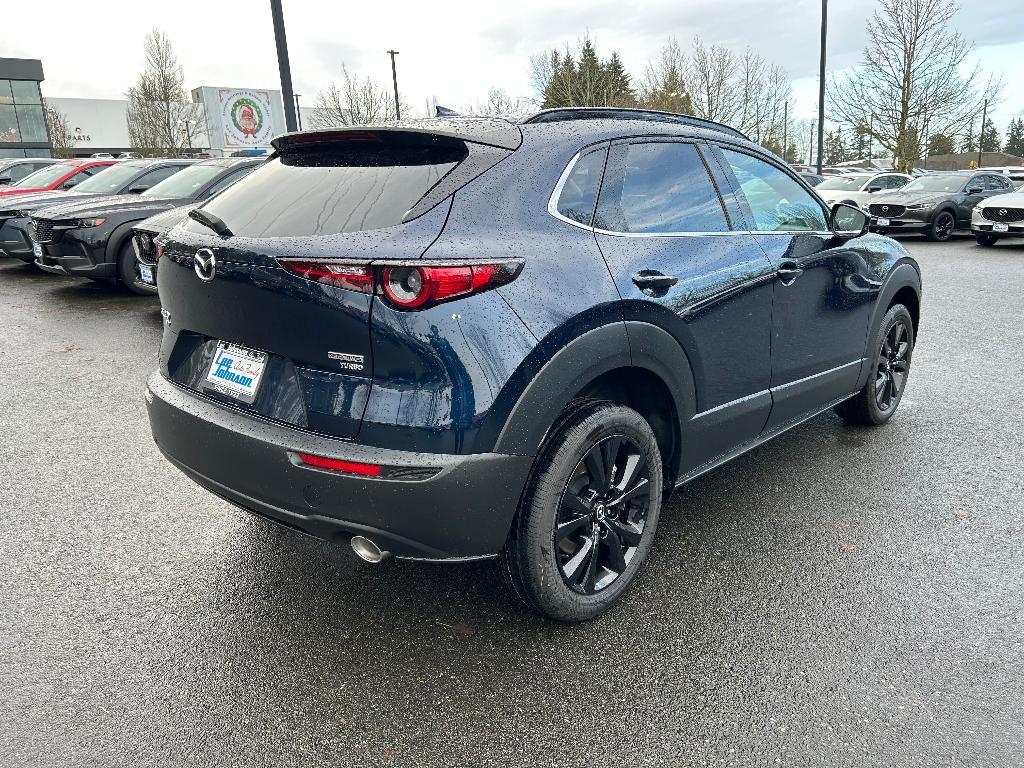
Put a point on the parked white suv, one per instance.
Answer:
(997, 217)
(856, 188)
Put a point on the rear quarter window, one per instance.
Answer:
(578, 194)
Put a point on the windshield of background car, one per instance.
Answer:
(44, 177)
(935, 184)
(848, 183)
(334, 188)
(185, 183)
(110, 179)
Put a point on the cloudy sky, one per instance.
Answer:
(457, 50)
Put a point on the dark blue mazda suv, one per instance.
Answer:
(458, 339)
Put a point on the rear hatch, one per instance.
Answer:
(354, 195)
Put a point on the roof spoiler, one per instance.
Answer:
(490, 131)
(559, 114)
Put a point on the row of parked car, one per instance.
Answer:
(987, 202)
(88, 218)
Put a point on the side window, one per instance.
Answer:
(777, 202)
(228, 180)
(155, 176)
(19, 172)
(889, 182)
(659, 188)
(579, 192)
(994, 183)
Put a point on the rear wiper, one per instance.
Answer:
(212, 222)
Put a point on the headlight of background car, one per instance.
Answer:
(90, 222)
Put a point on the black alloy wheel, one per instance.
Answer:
(602, 514)
(892, 366)
(942, 227)
(589, 512)
(877, 400)
(985, 239)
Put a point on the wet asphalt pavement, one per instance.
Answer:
(838, 597)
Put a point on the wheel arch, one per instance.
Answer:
(633, 363)
(117, 239)
(902, 286)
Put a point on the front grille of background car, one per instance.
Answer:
(890, 209)
(144, 245)
(42, 230)
(1003, 214)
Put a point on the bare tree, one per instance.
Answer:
(355, 102)
(59, 127)
(912, 75)
(663, 86)
(162, 117)
(500, 104)
(710, 77)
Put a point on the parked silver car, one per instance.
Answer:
(856, 188)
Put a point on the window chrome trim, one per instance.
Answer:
(564, 177)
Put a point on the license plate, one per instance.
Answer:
(146, 274)
(236, 371)
(37, 250)
(1000, 227)
(883, 222)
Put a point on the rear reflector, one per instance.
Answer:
(337, 465)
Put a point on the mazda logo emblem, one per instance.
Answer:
(1002, 211)
(205, 264)
(885, 207)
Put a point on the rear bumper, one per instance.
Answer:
(462, 507)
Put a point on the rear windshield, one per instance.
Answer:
(110, 179)
(335, 188)
(44, 177)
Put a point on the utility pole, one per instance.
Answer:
(981, 138)
(810, 150)
(298, 112)
(871, 141)
(821, 82)
(394, 79)
(785, 131)
(283, 65)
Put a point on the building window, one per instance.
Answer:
(21, 112)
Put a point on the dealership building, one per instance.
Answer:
(234, 119)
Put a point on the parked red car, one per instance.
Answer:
(63, 175)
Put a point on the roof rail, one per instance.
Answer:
(627, 113)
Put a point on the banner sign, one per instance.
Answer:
(246, 118)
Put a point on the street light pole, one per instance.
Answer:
(785, 131)
(394, 79)
(810, 150)
(821, 82)
(981, 137)
(298, 112)
(282, 63)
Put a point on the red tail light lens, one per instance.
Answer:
(355, 277)
(409, 286)
(338, 465)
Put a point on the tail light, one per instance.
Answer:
(409, 285)
(339, 465)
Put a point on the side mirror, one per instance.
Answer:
(848, 222)
(138, 190)
(874, 189)
(69, 184)
(5, 179)
(975, 190)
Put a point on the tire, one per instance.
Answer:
(941, 228)
(985, 239)
(126, 273)
(563, 579)
(878, 400)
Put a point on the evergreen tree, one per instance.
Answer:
(940, 144)
(591, 78)
(990, 137)
(835, 147)
(1015, 137)
(969, 143)
(619, 90)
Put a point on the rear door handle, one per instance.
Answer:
(649, 279)
(788, 272)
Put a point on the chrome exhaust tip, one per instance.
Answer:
(367, 551)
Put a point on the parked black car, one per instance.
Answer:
(461, 338)
(13, 170)
(146, 246)
(936, 204)
(92, 238)
(129, 177)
